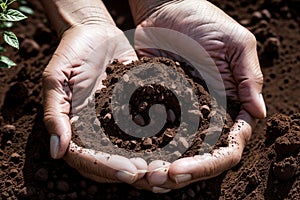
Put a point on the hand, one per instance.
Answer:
(205, 36)
(72, 76)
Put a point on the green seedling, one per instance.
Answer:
(7, 17)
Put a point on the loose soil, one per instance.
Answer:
(190, 125)
(269, 166)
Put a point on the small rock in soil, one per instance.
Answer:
(253, 179)
(266, 14)
(167, 136)
(287, 144)
(272, 45)
(142, 106)
(107, 117)
(139, 120)
(62, 186)
(205, 110)
(191, 193)
(5, 194)
(256, 17)
(277, 125)
(171, 115)
(41, 175)
(8, 132)
(285, 169)
(147, 142)
(15, 158)
(13, 173)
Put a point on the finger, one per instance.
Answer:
(145, 185)
(96, 178)
(158, 172)
(141, 166)
(56, 96)
(200, 167)
(246, 71)
(112, 167)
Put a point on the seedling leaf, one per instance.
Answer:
(12, 15)
(11, 39)
(5, 62)
(3, 6)
(10, 2)
(26, 10)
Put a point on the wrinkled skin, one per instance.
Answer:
(232, 49)
(71, 77)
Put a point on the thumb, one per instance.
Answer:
(56, 96)
(246, 71)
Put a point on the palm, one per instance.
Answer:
(198, 32)
(223, 40)
(71, 77)
(85, 57)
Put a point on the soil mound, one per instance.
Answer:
(154, 109)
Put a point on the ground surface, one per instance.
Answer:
(268, 170)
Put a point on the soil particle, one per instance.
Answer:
(8, 132)
(41, 175)
(277, 125)
(288, 145)
(62, 186)
(285, 169)
(15, 158)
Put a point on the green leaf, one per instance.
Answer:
(12, 15)
(5, 62)
(11, 39)
(26, 10)
(6, 25)
(22, 2)
(2, 49)
(10, 2)
(3, 6)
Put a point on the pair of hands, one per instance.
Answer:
(78, 66)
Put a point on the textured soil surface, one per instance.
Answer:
(269, 167)
(153, 107)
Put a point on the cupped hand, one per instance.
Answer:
(74, 73)
(225, 54)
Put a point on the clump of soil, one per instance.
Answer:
(159, 96)
(273, 174)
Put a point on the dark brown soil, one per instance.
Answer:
(269, 168)
(182, 118)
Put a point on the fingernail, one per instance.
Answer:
(160, 190)
(158, 176)
(183, 178)
(126, 177)
(262, 101)
(141, 171)
(54, 146)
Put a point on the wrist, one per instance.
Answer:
(64, 14)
